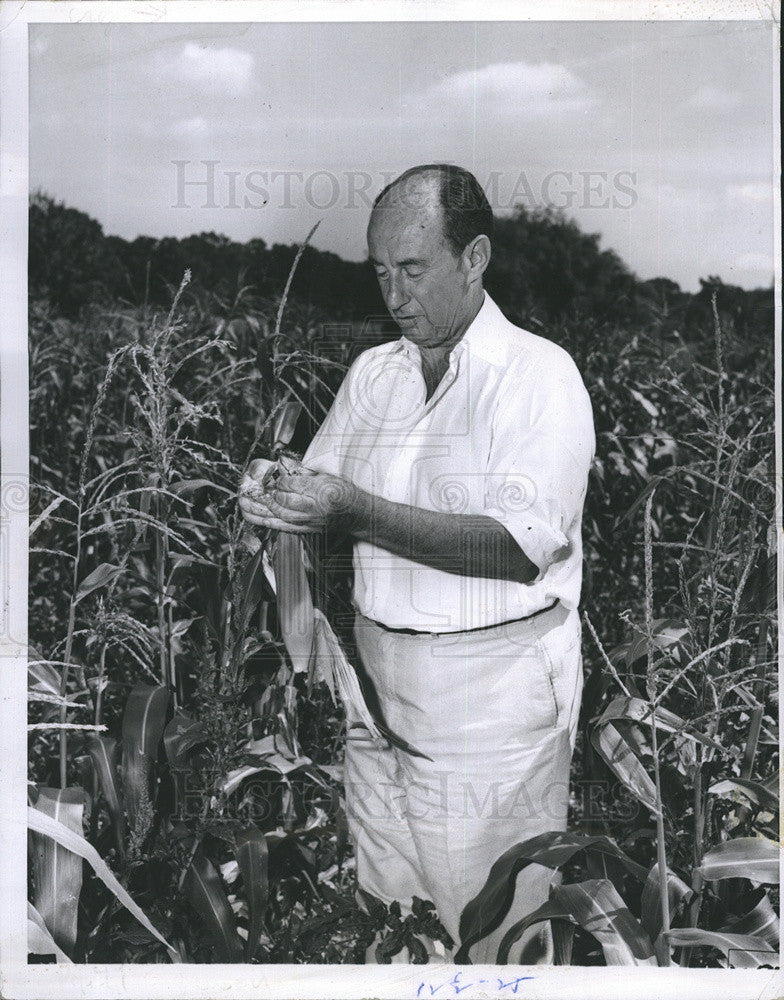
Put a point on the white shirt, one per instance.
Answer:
(507, 433)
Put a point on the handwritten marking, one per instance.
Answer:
(458, 986)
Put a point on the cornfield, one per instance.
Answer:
(189, 750)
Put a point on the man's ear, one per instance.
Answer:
(477, 256)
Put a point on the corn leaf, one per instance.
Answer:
(666, 632)
(332, 666)
(756, 792)
(624, 762)
(295, 605)
(617, 747)
(762, 922)
(180, 736)
(104, 752)
(252, 586)
(57, 873)
(678, 892)
(269, 758)
(596, 906)
(286, 423)
(253, 860)
(488, 908)
(101, 576)
(39, 822)
(205, 891)
(186, 486)
(743, 951)
(563, 941)
(43, 677)
(638, 710)
(755, 858)
(143, 723)
(39, 940)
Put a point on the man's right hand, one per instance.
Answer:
(260, 477)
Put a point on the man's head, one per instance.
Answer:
(429, 241)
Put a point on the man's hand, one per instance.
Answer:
(255, 498)
(314, 500)
(301, 501)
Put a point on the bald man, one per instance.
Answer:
(456, 457)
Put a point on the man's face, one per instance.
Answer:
(424, 285)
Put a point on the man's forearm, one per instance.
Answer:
(466, 544)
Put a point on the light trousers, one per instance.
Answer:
(496, 709)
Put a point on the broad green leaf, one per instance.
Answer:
(252, 587)
(180, 736)
(44, 677)
(638, 710)
(57, 873)
(624, 762)
(491, 904)
(253, 860)
(285, 424)
(143, 723)
(101, 576)
(665, 632)
(563, 941)
(42, 823)
(743, 951)
(104, 751)
(617, 750)
(596, 906)
(755, 858)
(678, 893)
(266, 748)
(756, 792)
(762, 921)
(295, 604)
(269, 758)
(186, 486)
(39, 940)
(205, 891)
(629, 514)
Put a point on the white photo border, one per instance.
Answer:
(21, 981)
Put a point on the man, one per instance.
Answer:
(457, 459)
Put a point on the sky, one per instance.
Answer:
(657, 136)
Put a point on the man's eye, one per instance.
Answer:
(414, 272)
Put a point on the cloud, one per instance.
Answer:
(754, 193)
(227, 70)
(527, 89)
(190, 128)
(709, 98)
(755, 262)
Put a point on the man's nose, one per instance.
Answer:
(396, 293)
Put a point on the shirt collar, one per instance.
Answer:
(480, 338)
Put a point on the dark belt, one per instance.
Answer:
(480, 628)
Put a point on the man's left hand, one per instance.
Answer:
(313, 500)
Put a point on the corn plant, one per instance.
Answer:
(175, 692)
(689, 729)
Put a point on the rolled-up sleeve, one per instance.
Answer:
(541, 451)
